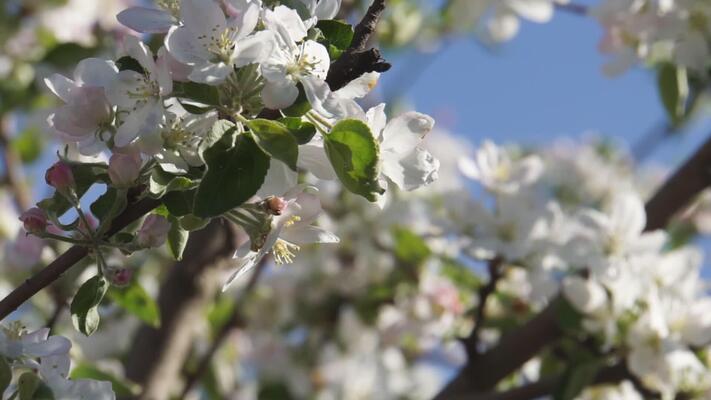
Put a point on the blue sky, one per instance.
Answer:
(545, 84)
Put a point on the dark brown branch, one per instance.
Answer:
(68, 259)
(471, 343)
(357, 59)
(483, 372)
(577, 9)
(157, 355)
(236, 321)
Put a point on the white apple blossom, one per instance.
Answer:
(213, 44)
(497, 171)
(290, 229)
(87, 115)
(292, 60)
(139, 96)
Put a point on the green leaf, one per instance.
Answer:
(673, 84)
(276, 140)
(233, 176)
(192, 223)
(576, 379)
(353, 152)
(135, 300)
(569, 319)
(205, 94)
(66, 55)
(5, 375)
(302, 131)
(338, 36)
(409, 247)
(121, 387)
(177, 239)
(84, 307)
(161, 182)
(109, 204)
(180, 203)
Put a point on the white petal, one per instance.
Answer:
(146, 20)
(61, 86)
(279, 95)
(534, 10)
(279, 176)
(181, 45)
(291, 20)
(327, 9)
(145, 119)
(313, 158)
(212, 74)
(203, 17)
(587, 296)
(95, 72)
(418, 169)
(359, 87)
(317, 54)
(404, 133)
(137, 50)
(377, 120)
(308, 234)
(254, 48)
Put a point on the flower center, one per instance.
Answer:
(302, 65)
(284, 252)
(220, 44)
(172, 6)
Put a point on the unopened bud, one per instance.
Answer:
(34, 220)
(120, 277)
(60, 176)
(124, 169)
(276, 205)
(154, 231)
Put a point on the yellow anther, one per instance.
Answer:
(284, 252)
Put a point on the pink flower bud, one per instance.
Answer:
(34, 220)
(124, 169)
(120, 277)
(276, 205)
(154, 231)
(60, 176)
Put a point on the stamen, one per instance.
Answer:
(284, 252)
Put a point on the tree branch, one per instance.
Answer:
(471, 343)
(68, 259)
(236, 320)
(157, 355)
(357, 60)
(483, 372)
(13, 173)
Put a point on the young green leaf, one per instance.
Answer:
(177, 239)
(233, 176)
(276, 140)
(109, 204)
(338, 36)
(673, 84)
(202, 93)
(180, 203)
(84, 307)
(136, 301)
(302, 131)
(353, 152)
(576, 379)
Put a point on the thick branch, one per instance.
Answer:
(157, 355)
(236, 320)
(483, 372)
(472, 342)
(357, 60)
(68, 259)
(13, 173)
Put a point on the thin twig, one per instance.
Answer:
(236, 320)
(576, 9)
(471, 343)
(68, 259)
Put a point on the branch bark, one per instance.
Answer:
(13, 173)
(357, 59)
(157, 355)
(483, 372)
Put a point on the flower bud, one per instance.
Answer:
(275, 205)
(60, 176)
(120, 277)
(34, 220)
(124, 169)
(154, 231)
